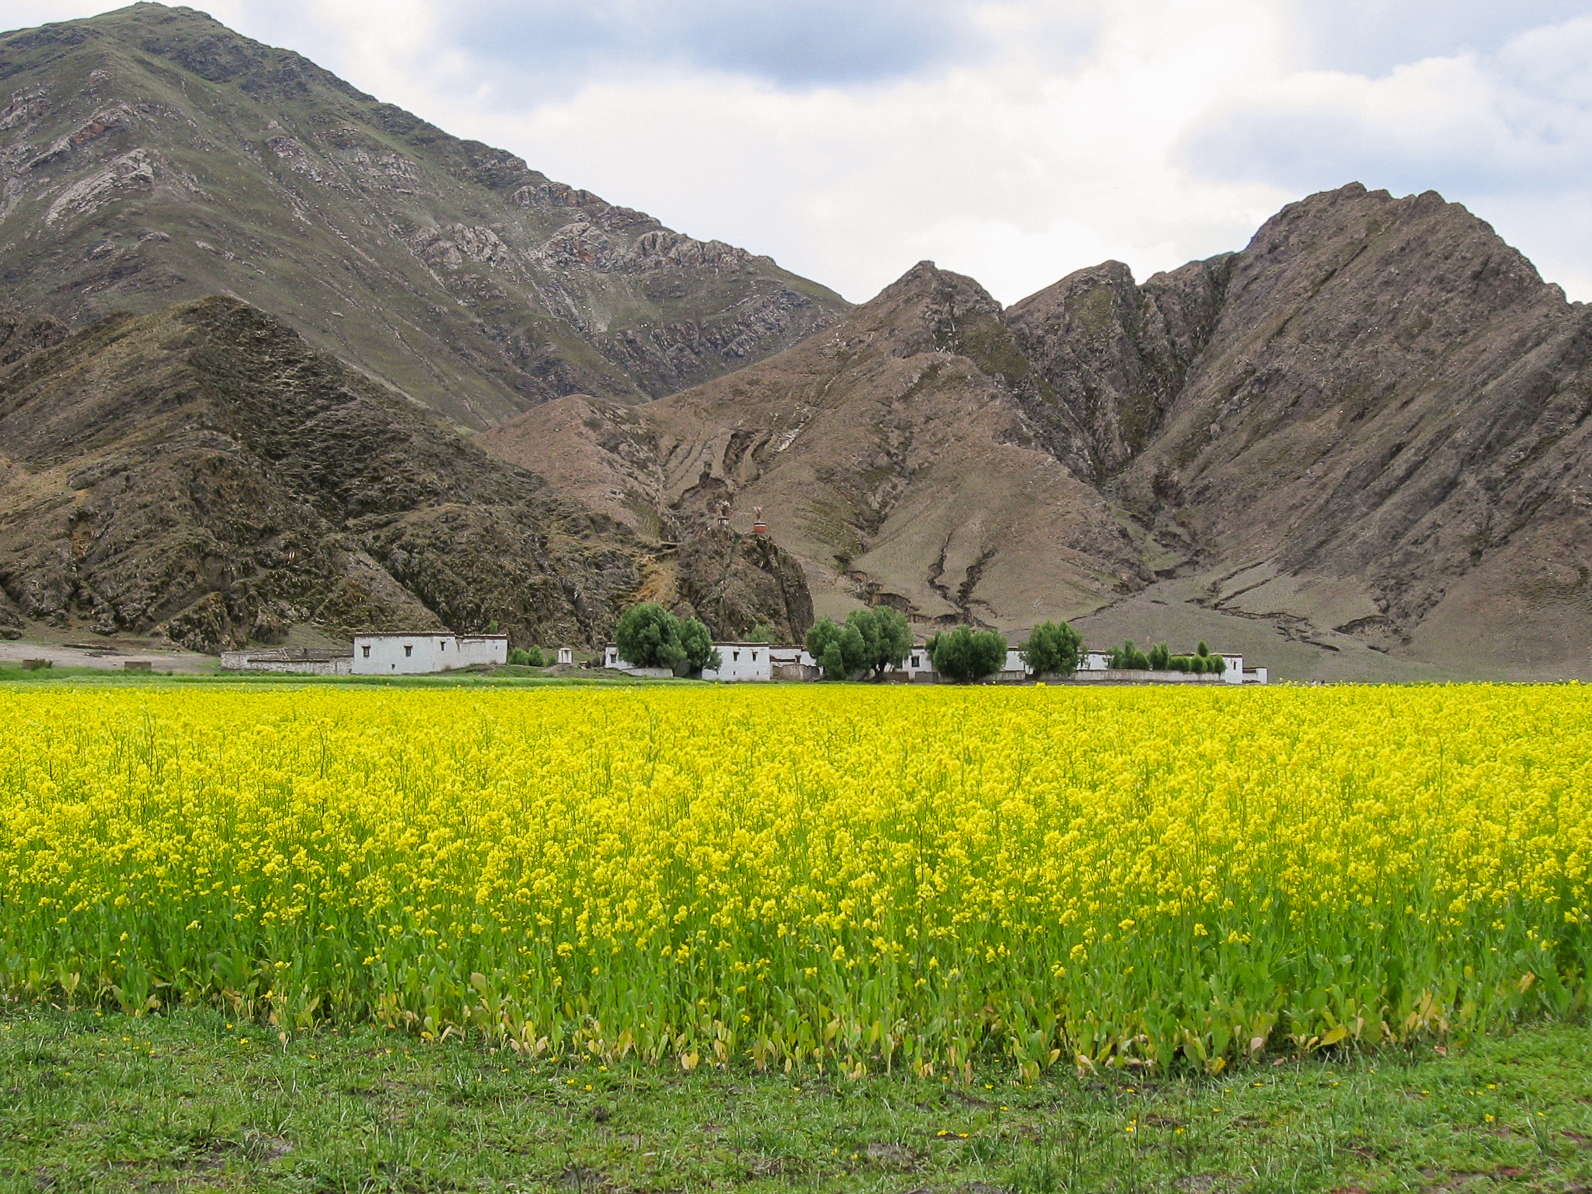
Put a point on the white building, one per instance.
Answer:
(612, 662)
(741, 662)
(421, 652)
(566, 655)
(1096, 666)
(313, 661)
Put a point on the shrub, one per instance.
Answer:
(528, 657)
(1053, 648)
(761, 633)
(1129, 658)
(965, 654)
(1159, 657)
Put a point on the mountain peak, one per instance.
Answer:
(151, 155)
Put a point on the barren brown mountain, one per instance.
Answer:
(1357, 447)
(202, 474)
(151, 155)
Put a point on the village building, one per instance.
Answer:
(312, 661)
(419, 653)
(740, 662)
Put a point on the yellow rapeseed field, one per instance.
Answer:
(857, 878)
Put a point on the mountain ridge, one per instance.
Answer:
(150, 155)
(1365, 432)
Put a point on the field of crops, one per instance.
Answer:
(861, 879)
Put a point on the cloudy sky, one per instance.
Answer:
(1013, 140)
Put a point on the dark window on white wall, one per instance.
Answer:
(408, 650)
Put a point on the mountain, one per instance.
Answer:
(889, 453)
(151, 156)
(1358, 448)
(202, 473)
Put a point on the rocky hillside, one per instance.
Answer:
(1359, 445)
(891, 455)
(202, 473)
(151, 155)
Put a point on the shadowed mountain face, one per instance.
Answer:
(1363, 437)
(204, 474)
(151, 155)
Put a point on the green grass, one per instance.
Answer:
(191, 1101)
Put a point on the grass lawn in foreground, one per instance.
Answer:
(194, 1101)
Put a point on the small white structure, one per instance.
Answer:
(419, 653)
(313, 661)
(566, 655)
(612, 662)
(916, 668)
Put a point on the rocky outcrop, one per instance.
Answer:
(22, 336)
(150, 155)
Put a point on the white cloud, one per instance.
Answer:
(1063, 133)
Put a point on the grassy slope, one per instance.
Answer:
(97, 1101)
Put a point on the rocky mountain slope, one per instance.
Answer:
(1360, 442)
(889, 452)
(202, 473)
(151, 155)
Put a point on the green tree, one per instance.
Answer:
(696, 648)
(886, 637)
(853, 648)
(1158, 657)
(648, 636)
(1129, 658)
(821, 635)
(965, 654)
(1053, 648)
(528, 657)
(761, 633)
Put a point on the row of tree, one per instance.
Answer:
(872, 641)
(1158, 658)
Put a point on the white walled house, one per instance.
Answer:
(420, 653)
(742, 662)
